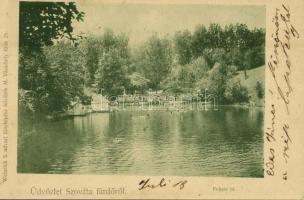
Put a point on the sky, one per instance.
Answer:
(140, 21)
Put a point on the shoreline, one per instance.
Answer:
(65, 115)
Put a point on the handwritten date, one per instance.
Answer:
(147, 183)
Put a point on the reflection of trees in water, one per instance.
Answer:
(242, 124)
(119, 124)
(49, 144)
(228, 124)
(116, 142)
(129, 141)
(159, 124)
(229, 137)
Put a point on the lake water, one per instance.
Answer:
(226, 142)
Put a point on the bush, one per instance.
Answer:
(236, 93)
(260, 89)
(240, 93)
(199, 67)
(213, 56)
(25, 101)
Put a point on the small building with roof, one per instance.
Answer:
(99, 103)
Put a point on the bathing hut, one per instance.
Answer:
(99, 103)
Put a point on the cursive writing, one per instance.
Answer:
(280, 66)
(270, 163)
(147, 183)
(270, 130)
(279, 63)
(287, 140)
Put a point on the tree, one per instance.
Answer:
(217, 80)
(92, 47)
(200, 41)
(56, 77)
(236, 93)
(114, 61)
(138, 82)
(95, 47)
(42, 22)
(155, 60)
(254, 57)
(242, 36)
(183, 46)
(214, 55)
(64, 80)
(215, 35)
(111, 74)
(32, 77)
(256, 37)
(229, 37)
(199, 67)
(234, 56)
(188, 75)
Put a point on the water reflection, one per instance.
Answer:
(227, 142)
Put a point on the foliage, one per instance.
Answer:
(254, 57)
(31, 69)
(25, 101)
(49, 76)
(138, 82)
(236, 93)
(65, 74)
(92, 46)
(215, 55)
(56, 77)
(186, 76)
(183, 46)
(259, 89)
(200, 41)
(199, 68)
(56, 72)
(172, 84)
(217, 80)
(42, 22)
(232, 43)
(215, 36)
(155, 60)
(113, 63)
(110, 75)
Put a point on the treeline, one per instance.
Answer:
(235, 43)
(210, 57)
(55, 74)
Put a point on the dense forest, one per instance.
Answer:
(56, 67)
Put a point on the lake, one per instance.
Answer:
(223, 142)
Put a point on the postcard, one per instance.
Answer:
(142, 99)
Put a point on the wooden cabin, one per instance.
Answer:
(99, 103)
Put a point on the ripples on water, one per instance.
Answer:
(228, 142)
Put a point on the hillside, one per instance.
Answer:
(253, 76)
